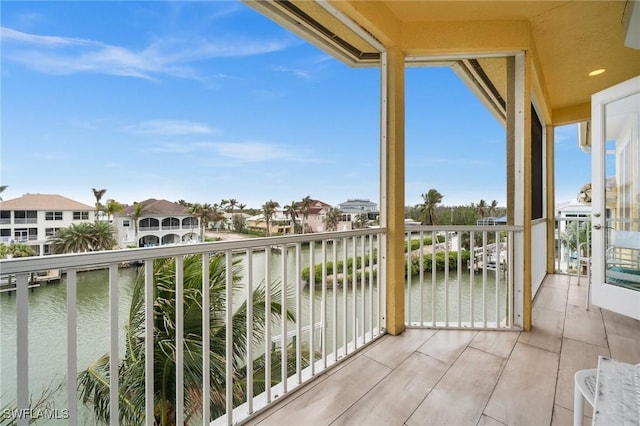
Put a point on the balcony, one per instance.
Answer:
(462, 342)
(468, 377)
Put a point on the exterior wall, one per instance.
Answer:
(155, 235)
(37, 227)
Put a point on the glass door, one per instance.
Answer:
(616, 198)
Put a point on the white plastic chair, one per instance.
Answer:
(584, 388)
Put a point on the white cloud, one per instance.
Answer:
(253, 151)
(171, 128)
(296, 72)
(164, 56)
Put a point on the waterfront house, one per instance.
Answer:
(317, 214)
(33, 218)
(354, 207)
(161, 222)
(395, 358)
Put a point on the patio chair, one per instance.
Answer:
(584, 261)
(584, 388)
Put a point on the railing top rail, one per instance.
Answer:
(81, 260)
(464, 228)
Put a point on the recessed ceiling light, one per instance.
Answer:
(597, 72)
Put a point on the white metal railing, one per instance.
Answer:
(337, 310)
(460, 276)
(571, 234)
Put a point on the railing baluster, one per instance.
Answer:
(249, 326)
(312, 307)
(371, 305)
(510, 264)
(206, 342)
(72, 346)
(22, 344)
(299, 315)
(335, 299)
(283, 316)
(484, 278)
(362, 289)
(345, 291)
(114, 382)
(421, 275)
(498, 271)
(149, 297)
(229, 335)
(472, 275)
(267, 328)
(434, 242)
(179, 403)
(354, 288)
(323, 306)
(459, 292)
(407, 298)
(446, 279)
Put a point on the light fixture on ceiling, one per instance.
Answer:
(597, 72)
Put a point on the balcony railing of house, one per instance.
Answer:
(460, 276)
(149, 228)
(5, 221)
(170, 227)
(335, 307)
(23, 220)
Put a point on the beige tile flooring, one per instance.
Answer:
(451, 377)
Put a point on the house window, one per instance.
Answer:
(125, 223)
(51, 232)
(53, 216)
(25, 216)
(80, 215)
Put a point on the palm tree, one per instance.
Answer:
(76, 238)
(242, 207)
(16, 250)
(138, 211)
(103, 236)
(268, 210)
(361, 220)
(305, 207)
(431, 199)
(93, 383)
(98, 193)
(112, 207)
(481, 208)
(233, 203)
(493, 208)
(83, 237)
(292, 210)
(332, 219)
(2, 188)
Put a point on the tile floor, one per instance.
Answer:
(461, 377)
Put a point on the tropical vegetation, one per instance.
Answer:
(83, 237)
(16, 250)
(94, 381)
(268, 211)
(332, 218)
(428, 208)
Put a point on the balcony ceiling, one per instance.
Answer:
(569, 39)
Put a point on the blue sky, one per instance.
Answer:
(209, 100)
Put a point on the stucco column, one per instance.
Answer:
(519, 180)
(393, 187)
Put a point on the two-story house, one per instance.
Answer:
(160, 222)
(33, 218)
